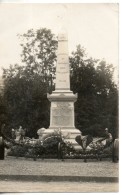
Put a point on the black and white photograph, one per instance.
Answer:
(59, 97)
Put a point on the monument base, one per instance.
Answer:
(62, 115)
(68, 134)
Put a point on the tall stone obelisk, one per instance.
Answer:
(62, 99)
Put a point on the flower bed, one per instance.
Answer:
(54, 146)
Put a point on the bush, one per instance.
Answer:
(18, 150)
(48, 148)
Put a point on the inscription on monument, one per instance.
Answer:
(62, 58)
(62, 67)
(62, 80)
(62, 114)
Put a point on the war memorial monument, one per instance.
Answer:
(62, 99)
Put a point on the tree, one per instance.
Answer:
(2, 111)
(26, 103)
(39, 51)
(38, 56)
(26, 86)
(97, 104)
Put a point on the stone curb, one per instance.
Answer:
(57, 160)
(47, 178)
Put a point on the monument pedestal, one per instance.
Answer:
(68, 133)
(62, 115)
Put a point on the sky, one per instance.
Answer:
(93, 25)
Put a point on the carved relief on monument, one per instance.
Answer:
(62, 114)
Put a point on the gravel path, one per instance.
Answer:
(55, 167)
(9, 186)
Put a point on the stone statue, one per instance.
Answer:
(19, 134)
(40, 133)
